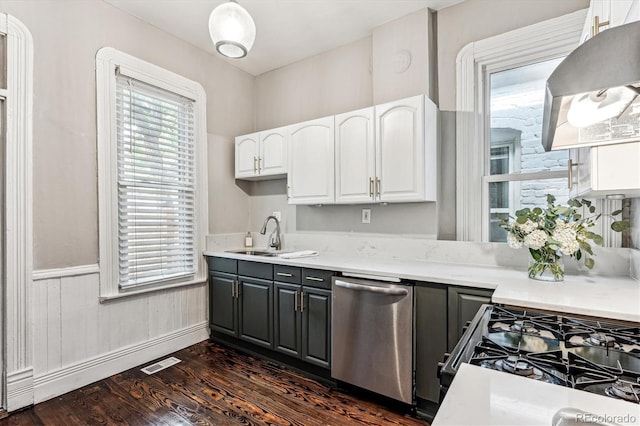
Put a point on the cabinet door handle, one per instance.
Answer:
(371, 187)
(259, 165)
(595, 28)
(295, 302)
(233, 289)
(302, 301)
(255, 162)
(283, 274)
(288, 192)
(315, 279)
(378, 187)
(570, 166)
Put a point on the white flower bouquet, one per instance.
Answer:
(556, 231)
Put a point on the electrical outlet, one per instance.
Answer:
(277, 215)
(366, 215)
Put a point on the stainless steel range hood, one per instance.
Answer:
(593, 96)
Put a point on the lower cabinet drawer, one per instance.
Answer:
(318, 278)
(287, 274)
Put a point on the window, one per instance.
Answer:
(152, 177)
(519, 173)
(500, 91)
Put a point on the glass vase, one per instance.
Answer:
(546, 270)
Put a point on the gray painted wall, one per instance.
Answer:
(67, 34)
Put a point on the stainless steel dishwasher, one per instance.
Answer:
(372, 336)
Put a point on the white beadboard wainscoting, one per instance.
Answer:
(78, 340)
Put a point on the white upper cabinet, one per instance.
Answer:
(273, 152)
(406, 150)
(310, 178)
(355, 157)
(247, 156)
(262, 155)
(605, 170)
(608, 14)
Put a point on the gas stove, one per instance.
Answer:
(601, 357)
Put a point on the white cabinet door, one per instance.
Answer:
(355, 157)
(273, 152)
(610, 13)
(406, 150)
(608, 169)
(311, 162)
(247, 156)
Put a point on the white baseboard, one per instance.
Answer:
(65, 379)
(19, 389)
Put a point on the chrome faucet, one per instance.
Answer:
(274, 241)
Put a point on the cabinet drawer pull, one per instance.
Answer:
(255, 162)
(371, 187)
(315, 279)
(295, 302)
(302, 301)
(283, 274)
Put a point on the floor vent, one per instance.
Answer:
(161, 365)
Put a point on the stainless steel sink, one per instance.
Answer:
(250, 252)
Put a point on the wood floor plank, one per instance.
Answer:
(213, 385)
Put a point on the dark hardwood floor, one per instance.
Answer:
(212, 385)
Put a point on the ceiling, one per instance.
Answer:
(287, 30)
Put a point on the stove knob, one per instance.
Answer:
(439, 370)
(446, 356)
(466, 326)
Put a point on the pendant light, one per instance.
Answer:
(232, 30)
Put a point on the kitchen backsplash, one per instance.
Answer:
(609, 262)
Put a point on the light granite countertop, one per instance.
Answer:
(481, 396)
(604, 297)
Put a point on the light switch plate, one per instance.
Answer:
(366, 215)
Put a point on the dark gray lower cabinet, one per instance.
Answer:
(223, 305)
(316, 326)
(287, 319)
(463, 304)
(302, 322)
(255, 304)
(431, 337)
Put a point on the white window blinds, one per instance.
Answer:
(156, 183)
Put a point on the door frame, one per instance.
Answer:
(17, 338)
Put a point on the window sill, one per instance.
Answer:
(123, 294)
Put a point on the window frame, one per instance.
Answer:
(545, 40)
(108, 60)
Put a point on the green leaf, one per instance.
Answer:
(550, 199)
(586, 247)
(562, 210)
(523, 212)
(616, 213)
(589, 262)
(592, 209)
(521, 219)
(579, 255)
(574, 203)
(537, 210)
(535, 254)
(577, 216)
(595, 238)
(586, 202)
(620, 225)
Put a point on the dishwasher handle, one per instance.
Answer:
(372, 289)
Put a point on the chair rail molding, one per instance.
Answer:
(548, 39)
(18, 215)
